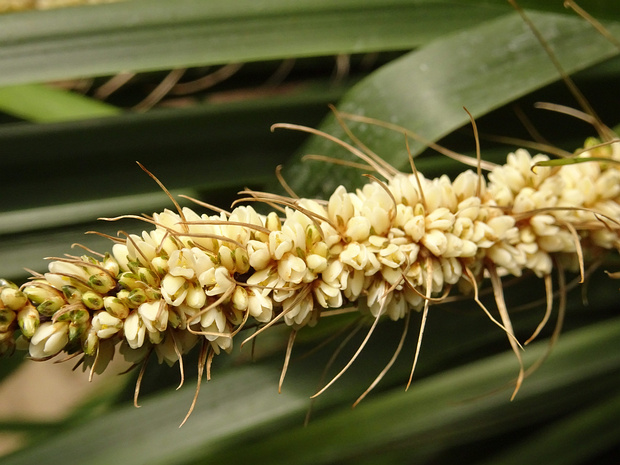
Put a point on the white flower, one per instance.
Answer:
(135, 330)
(436, 242)
(355, 255)
(340, 207)
(291, 268)
(142, 249)
(376, 207)
(544, 225)
(169, 219)
(49, 339)
(166, 350)
(260, 305)
(279, 244)
(358, 228)
(502, 227)
(452, 270)
(378, 298)
(404, 188)
(354, 285)
(106, 325)
(392, 256)
(154, 315)
(121, 254)
(415, 228)
(397, 306)
(242, 214)
(465, 186)
(196, 296)
(259, 254)
(217, 281)
(71, 269)
(441, 219)
(300, 313)
(328, 296)
(508, 257)
(174, 289)
(316, 263)
(182, 263)
(470, 209)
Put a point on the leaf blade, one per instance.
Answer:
(489, 66)
(144, 35)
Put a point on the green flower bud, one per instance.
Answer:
(160, 264)
(226, 257)
(80, 316)
(38, 294)
(50, 306)
(175, 318)
(7, 317)
(137, 297)
(240, 298)
(111, 265)
(273, 222)
(6, 283)
(235, 316)
(134, 265)
(63, 316)
(128, 280)
(28, 320)
(155, 337)
(148, 277)
(72, 294)
(90, 342)
(47, 299)
(7, 344)
(76, 330)
(152, 294)
(89, 259)
(102, 282)
(92, 300)
(123, 295)
(116, 307)
(13, 298)
(242, 262)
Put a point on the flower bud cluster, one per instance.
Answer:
(388, 248)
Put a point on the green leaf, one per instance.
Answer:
(145, 35)
(243, 407)
(425, 91)
(601, 9)
(445, 409)
(45, 104)
(71, 173)
(594, 430)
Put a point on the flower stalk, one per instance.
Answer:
(388, 249)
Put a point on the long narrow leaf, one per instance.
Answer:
(45, 104)
(245, 402)
(425, 91)
(157, 34)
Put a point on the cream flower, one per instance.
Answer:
(174, 289)
(291, 269)
(135, 330)
(106, 325)
(260, 305)
(154, 315)
(49, 339)
(340, 207)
